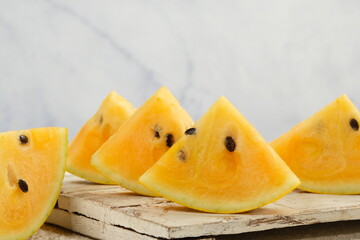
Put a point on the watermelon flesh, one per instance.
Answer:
(112, 113)
(142, 140)
(221, 165)
(32, 167)
(324, 150)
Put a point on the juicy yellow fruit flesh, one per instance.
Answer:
(324, 150)
(134, 147)
(113, 112)
(201, 173)
(41, 164)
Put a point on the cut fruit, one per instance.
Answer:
(32, 164)
(142, 140)
(324, 150)
(113, 112)
(223, 165)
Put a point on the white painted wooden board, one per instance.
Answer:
(92, 227)
(100, 211)
(51, 232)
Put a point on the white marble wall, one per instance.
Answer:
(277, 61)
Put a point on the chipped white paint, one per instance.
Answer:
(93, 228)
(50, 232)
(115, 208)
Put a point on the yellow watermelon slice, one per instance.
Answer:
(141, 141)
(113, 111)
(32, 166)
(221, 165)
(324, 150)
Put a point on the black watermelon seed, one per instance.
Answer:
(23, 139)
(230, 144)
(169, 140)
(354, 124)
(157, 130)
(23, 186)
(190, 131)
(182, 155)
(101, 119)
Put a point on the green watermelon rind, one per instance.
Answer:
(88, 176)
(117, 179)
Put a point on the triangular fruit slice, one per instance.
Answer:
(113, 112)
(32, 167)
(324, 150)
(221, 165)
(142, 140)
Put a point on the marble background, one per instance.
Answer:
(277, 61)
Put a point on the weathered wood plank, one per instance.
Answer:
(51, 232)
(180, 221)
(112, 205)
(93, 228)
(325, 231)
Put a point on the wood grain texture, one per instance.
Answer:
(92, 227)
(115, 209)
(51, 232)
